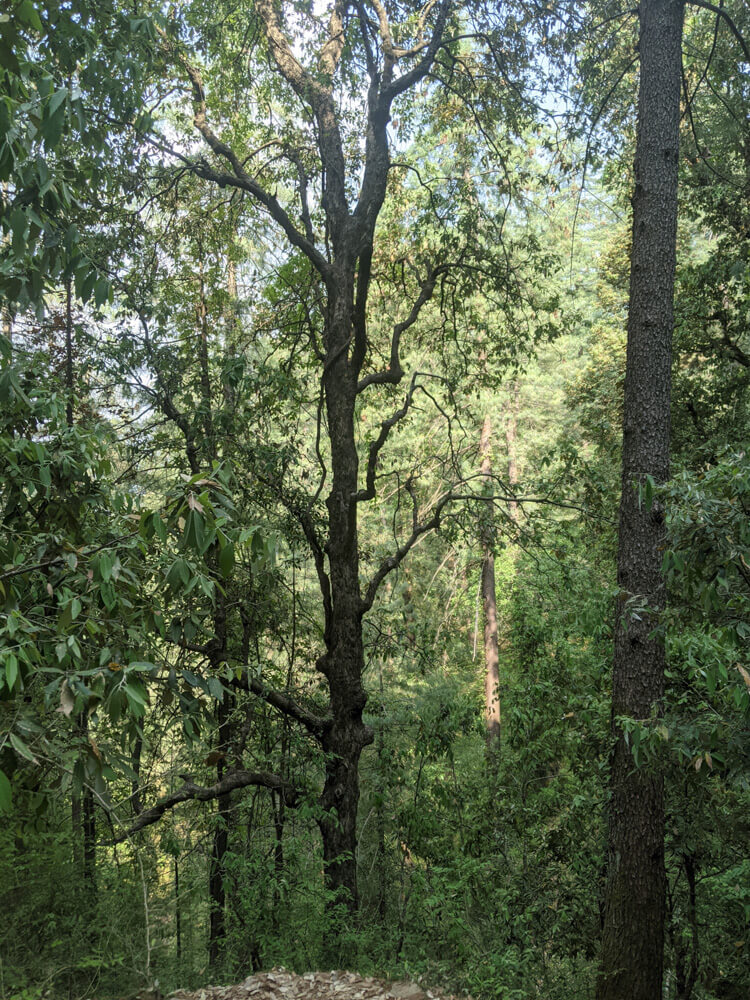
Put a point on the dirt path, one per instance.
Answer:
(278, 984)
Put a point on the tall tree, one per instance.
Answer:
(341, 175)
(633, 933)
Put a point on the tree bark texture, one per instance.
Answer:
(633, 933)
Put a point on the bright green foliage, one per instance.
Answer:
(154, 565)
(71, 79)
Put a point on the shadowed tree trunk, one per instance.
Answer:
(633, 934)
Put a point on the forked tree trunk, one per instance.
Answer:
(633, 933)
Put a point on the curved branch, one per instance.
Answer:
(368, 493)
(315, 724)
(192, 792)
(394, 561)
(416, 73)
(239, 178)
(394, 372)
(722, 13)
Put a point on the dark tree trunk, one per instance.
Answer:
(178, 912)
(686, 956)
(69, 372)
(135, 760)
(343, 662)
(633, 934)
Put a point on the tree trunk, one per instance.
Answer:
(178, 913)
(511, 434)
(69, 373)
(216, 889)
(343, 662)
(489, 601)
(686, 957)
(633, 934)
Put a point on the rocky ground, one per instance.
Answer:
(278, 984)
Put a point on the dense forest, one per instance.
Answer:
(375, 496)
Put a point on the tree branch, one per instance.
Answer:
(315, 724)
(240, 178)
(394, 372)
(722, 13)
(192, 792)
(392, 562)
(320, 99)
(416, 73)
(368, 493)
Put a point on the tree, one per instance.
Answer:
(329, 227)
(633, 932)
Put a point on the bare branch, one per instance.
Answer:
(394, 561)
(192, 792)
(394, 372)
(315, 724)
(368, 493)
(722, 13)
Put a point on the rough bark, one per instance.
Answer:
(633, 933)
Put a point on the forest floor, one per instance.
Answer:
(278, 984)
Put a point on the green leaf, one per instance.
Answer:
(6, 796)
(52, 128)
(216, 688)
(57, 99)
(27, 14)
(226, 560)
(11, 670)
(20, 747)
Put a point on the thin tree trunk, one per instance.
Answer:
(135, 760)
(69, 372)
(511, 435)
(82, 806)
(489, 599)
(216, 882)
(686, 958)
(633, 934)
(178, 912)
(205, 375)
